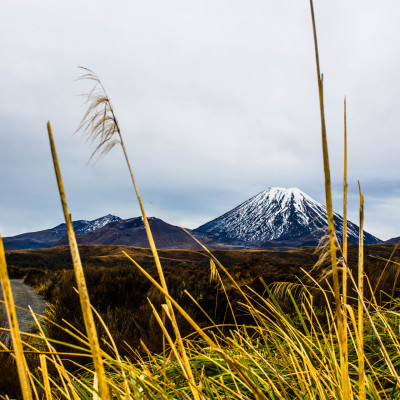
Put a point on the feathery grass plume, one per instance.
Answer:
(323, 252)
(100, 125)
(282, 290)
(328, 196)
(80, 279)
(23, 372)
(213, 272)
(361, 368)
(99, 122)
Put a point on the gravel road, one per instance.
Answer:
(24, 296)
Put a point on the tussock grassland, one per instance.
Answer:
(272, 338)
(120, 294)
(320, 338)
(103, 255)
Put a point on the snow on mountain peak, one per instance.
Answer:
(276, 214)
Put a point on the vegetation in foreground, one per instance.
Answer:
(119, 293)
(284, 345)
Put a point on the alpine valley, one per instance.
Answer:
(276, 217)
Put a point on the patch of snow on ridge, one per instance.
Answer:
(99, 223)
(82, 226)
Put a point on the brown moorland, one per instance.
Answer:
(111, 255)
(119, 292)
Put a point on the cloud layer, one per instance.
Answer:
(217, 101)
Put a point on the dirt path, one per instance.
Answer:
(24, 296)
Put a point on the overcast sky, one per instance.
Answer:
(217, 101)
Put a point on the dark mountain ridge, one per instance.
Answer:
(46, 238)
(394, 240)
(131, 232)
(274, 218)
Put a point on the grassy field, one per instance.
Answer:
(124, 300)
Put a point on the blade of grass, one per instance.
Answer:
(329, 210)
(169, 339)
(383, 348)
(345, 206)
(22, 367)
(46, 382)
(344, 269)
(80, 279)
(101, 122)
(361, 368)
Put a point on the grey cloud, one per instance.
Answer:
(217, 101)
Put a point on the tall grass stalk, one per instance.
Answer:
(345, 185)
(80, 278)
(329, 209)
(100, 123)
(23, 372)
(344, 244)
(45, 374)
(361, 363)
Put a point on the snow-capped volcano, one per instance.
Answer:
(280, 215)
